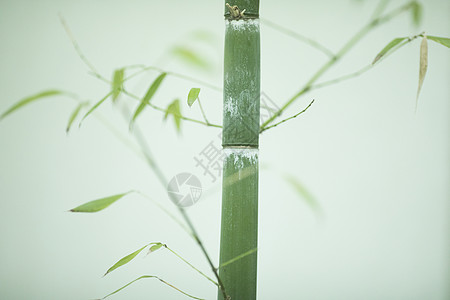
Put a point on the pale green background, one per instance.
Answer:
(379, 170)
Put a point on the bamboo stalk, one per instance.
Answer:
(240, 140)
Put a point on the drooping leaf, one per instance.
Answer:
(96, 105)
(73, 116)
(441, 40)
(155, 247)
(387, 48)
(193, 95)
(125, 260)
(99, 204)
(30, 99)
(174, 110)
(117, 83)
(148, 96)
(304, 193)
(416, 12)
(190, 57)
(423, 65)
(151, 276)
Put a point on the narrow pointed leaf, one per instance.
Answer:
(31, 99)
(98, 205)
(125, 260)
(74, 115)
(148, 96)
(117, 83)
(193, 95)
(423, 64)
(304, 193)
(96, 105)
(441, 40)
(174, 110)
(416, 13)
(191, 57)
(388, 47)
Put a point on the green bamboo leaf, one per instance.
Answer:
(416, 13)
(174, 110)
(99, 204)
(74, 114)
(304, 193)
(125, 260)
(31, 99)
(155, 247)
(388, 47)
(148, 96)
(423, 65)
(151, 276)
(193, 95)
(117, 83)
(441, 40)
(96, 105)
(191, 57)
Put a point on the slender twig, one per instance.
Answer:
(155, 168)
(287, 119)
(366, 68)
(77, 47)
(151, 276)
(165, 210)
(299, 37)
(347, 46)
(203, 112)
(179, 256)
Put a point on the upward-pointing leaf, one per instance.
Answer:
(117, 83)
(388, 47)
(416, 12)
(193, 95)
(74, 115)
(148, 96)
(99, 204)
(96, 105)
(30, 99)
(441, 40)
(125, 260)
(174, 110)
(423, 64)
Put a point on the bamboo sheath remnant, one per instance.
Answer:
(240, 140)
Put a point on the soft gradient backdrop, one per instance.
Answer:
(379, 170)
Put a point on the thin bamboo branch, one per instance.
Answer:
(287, 119)
(203, 112)
(155, 168)
(188, 263)
(298, 37)
(347, 46)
